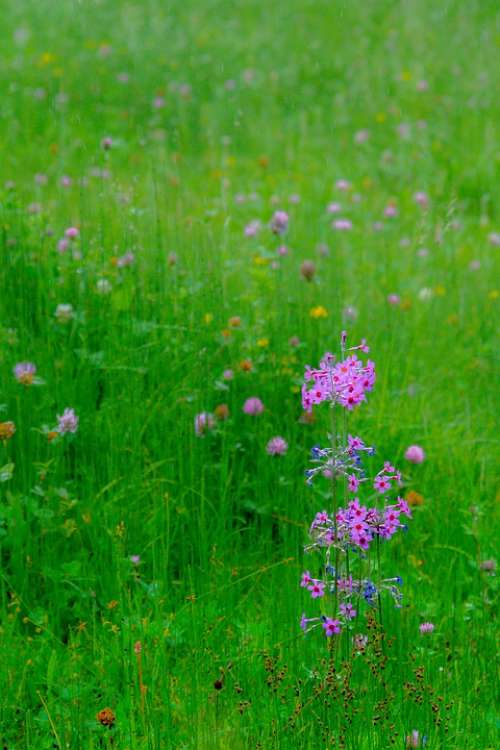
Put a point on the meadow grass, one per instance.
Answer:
(220, 113)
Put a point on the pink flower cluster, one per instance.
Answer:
(353, 527)
(345, 382)
(358, 524)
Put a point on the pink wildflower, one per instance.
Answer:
(253, 228)
(421, 199)
(489, 565)
(62, 245)
(306, 579)
(348, 611)
(203, 422)
(24, 372)
(331, 627)
(279, 222)
(125, 260)
(361, 136)
(344, 382)
(333, 208)
(352, 483)
(391, 211)
(415, 454)
(342, 224)
(277, 446)
(68, 422)
(426, 627)
(382, 484)
(317, 589)
(253, 406)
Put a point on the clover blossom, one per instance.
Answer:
(24, 373)
(277, 446)
(67, 422)
(203, 423)
(279, 222)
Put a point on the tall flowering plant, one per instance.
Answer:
(366, 511)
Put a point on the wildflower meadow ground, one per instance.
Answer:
(248, 375)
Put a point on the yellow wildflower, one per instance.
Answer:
(318, 312)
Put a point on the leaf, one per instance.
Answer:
(6, 472)
(71, 569)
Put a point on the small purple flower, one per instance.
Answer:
(62, 245)
(415, 454)
(382, 484)
(317, 589)
(342, 224)
(306, 579)
(252, 228)
(489, 565)
(331, 627)
(361, 136)
(421, 199)
(352, 483)
(277, 446)
(203, 422)
(253, 406)
(67, 422)
(135, 559)
(228, 374)
(125, 260)
(393, 299)
(24, 372)
(106, 143)
(426, 627)
(279, 222)
(71, 233)
(348, 611)
(333, 208)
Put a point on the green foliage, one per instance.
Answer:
(259, 98)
